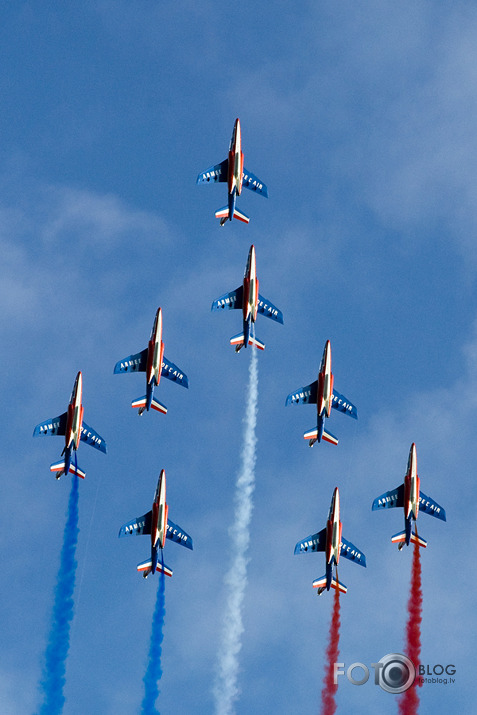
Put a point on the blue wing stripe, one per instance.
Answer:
(252, 182)
(349, 551)
(429, 506)
(229, 301)
(172, 372)
(132, 363)
(175, 533)
(390, 499)
(138, 526)
(265, 307)
(304, 395)
(55, 426)
(91, 437)
(341, 404)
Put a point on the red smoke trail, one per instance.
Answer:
(409, 701)
(328, 703)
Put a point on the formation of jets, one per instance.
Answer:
(321, 392)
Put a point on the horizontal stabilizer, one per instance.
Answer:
(252, 182)
(312, 435)
(132, 363)
(55, 426)
(155, 404)
(238, 341)
(320, 584)
(60, 467)
(146, 566)
(223, 212)
(415, 538)
(328, 437)
(241, 216)
(218, 172)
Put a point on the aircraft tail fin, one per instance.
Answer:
(59, 468)
(146, 568)
(238, 342)
(312, 435)
(320, 584)
(155, 404)
(224, 215)
(400, 539)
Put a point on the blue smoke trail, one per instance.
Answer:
(53, 680)
(154, 671)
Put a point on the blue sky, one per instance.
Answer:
(359, 117)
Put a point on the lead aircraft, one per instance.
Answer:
(153, 362)
(334, 545)
(325, 396)
(232, 171)
(72, 426)
(409, 496)
(247, 298)
(157, 524)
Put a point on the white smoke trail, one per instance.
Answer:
(225, 688)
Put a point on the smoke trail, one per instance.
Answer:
(409, 701)
(225, 688)
(154, 671)
(53, 680)
(328, 703)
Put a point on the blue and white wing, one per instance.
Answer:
(132, 363)
(55, 426)
(138, 526)
(90, 436)
(229, 301)
(265, 307)
(304, 395)
(175, 533)
(390, 499)
(172, 372)
(429, 506)
(315, 542)
(340, 403)
(218, 172)
(349, 551)
(252, 182)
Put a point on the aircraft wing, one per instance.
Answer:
(304, 395)
(172, 372)
(429, 506)
(175, 533)
(349, 551)
(138, 526)
(268, 309)
(315, 542)
(213, 174)
(229, 301)
(55, 426)
(389, 499)
(132, 363)
(343, 405)
(252, 182)
(91, 437)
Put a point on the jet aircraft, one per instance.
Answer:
(251, 302)
(232, 170)
(334, 545)
(157, 524)
(153, 362)
(409, 496)
(325, 396)
(72, 426)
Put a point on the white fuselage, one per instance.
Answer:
(325, 382)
